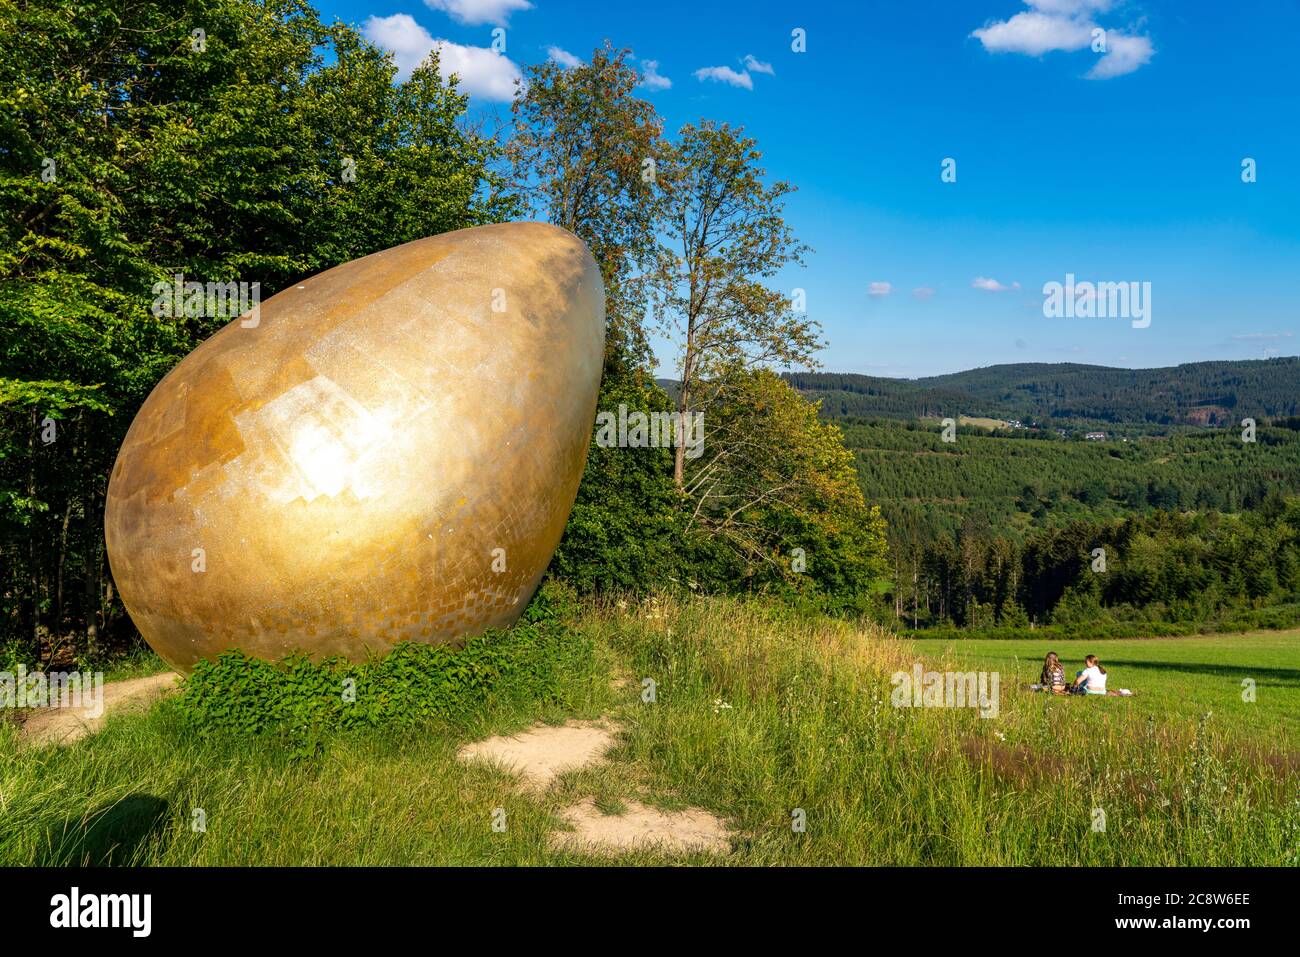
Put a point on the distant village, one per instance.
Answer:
(1063, 433)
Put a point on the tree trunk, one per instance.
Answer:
(683, 404)
(58, 574)
(94, 572)
(679, 453)
(32, 565)
(916, 595)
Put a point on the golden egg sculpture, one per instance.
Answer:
(385, 452)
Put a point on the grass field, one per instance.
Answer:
(983, 422)
(1171, 677)
(761, 716)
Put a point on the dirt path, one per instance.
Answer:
(640, 827)
(45, 726)
(540, 754)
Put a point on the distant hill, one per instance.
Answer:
(1199, 393)
(671, 386)
(849, 394)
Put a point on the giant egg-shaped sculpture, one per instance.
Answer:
(388, 453)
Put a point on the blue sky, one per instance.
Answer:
(1117, 166)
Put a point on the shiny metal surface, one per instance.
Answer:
(390, 454)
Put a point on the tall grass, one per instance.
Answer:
(762, 715)
(759, 714)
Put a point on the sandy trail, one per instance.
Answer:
(45, 726)
(641, 827)
(540, 754)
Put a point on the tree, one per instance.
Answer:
(724, 236)
(776, 486)
(626, 530)
(584, 154)
(133, 148)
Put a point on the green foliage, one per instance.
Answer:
(625, 532)
(775, 482)
(1009, 519)
(127, 156)
(928, 488)
(1016, 627)
(1164, 573)
(760, 709)
(579, 142)
(725, 236)
(776, 488)
(301, 702)
(848, 395)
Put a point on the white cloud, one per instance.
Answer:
(743, 78)
(650, 78)
(400, 35)
(1068, 26)
(1124, 54)
(725, 74)
(1034, 34)
(992, 285)
(879, 289)
(483, 73)
(1264, 335)
(473, 12)
(563, 57)
(923, 293)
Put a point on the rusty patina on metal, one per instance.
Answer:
(389, 455)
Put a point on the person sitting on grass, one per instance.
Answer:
(1053, 677)
(1092, 680)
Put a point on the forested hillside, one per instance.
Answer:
(1201, 393)
(998, 529)
(1012, 484)
(1160, 573)
(844, 395)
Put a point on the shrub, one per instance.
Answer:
(540, 660)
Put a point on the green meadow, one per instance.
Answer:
(778, 723)
(1172, 678)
